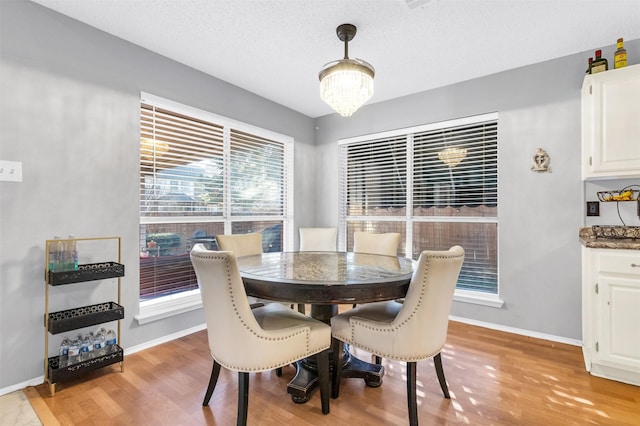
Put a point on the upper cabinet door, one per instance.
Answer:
(611, 124)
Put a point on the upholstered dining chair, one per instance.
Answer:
(246, 245)
(240, 244)
(318, 239)
(411, 331)
(253, 340)
(386, 244)
(243, 245)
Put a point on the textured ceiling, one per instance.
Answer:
(275, 48)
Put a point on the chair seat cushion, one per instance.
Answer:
(277, 317)
(367, 326)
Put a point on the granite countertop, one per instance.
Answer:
(600, 237)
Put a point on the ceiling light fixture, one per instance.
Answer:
(348, 83)
(151, 149)
(452, 156)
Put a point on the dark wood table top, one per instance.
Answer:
(326, 277)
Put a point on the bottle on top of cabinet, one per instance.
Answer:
(588, 71)
(599, 64)
(620, 55)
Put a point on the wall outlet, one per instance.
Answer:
(593, 208)
(11, 171)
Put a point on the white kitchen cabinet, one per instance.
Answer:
(611, 124)
(611, 313)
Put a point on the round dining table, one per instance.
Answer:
(325, 280)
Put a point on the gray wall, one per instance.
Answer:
(539, 214)
(69, 108)
(69, 99)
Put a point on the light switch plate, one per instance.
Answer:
(11, 171)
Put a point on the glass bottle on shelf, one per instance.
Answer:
(99, 343)
(91, 347)
(599, 64)
(56, 254)
(84, 347)
(620, 55)
(71, 254)
(110, 342)
(74, 352)
(63, 359)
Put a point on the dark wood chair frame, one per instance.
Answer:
(412, 402)
(322, 358)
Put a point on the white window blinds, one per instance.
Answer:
(454, 168)
(181, 164)
(375, 174)
(447, 173)
(202, 175)
(257, 175)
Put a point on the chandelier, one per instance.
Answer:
(452, 156)
(151, 149)
(348, 83)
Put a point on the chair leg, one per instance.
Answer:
(336, 370)
(411, 394)
(322, 359)
(243, 398)
(378, 360)
(437, 361)
(301, 308)
(212, 383)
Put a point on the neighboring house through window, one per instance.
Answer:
(202, 175)
(437, 185)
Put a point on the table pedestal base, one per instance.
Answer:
(306, 379)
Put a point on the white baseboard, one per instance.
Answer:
(169, 337)
(19, 386)
(164, 339)
(520, 331)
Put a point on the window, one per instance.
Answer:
(437, 185)
(203, 175)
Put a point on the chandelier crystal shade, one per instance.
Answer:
(348, 83)
(452, 156)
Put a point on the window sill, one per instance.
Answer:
(478, 298)
(164, 307)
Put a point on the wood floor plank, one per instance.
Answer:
(494, 378)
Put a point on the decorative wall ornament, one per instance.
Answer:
(541, 161)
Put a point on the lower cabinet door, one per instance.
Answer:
(619, 340)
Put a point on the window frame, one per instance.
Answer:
(172, 304)
(463, 295)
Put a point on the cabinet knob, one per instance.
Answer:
(633, 265)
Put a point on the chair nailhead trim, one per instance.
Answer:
(240, 368)
(397, 327)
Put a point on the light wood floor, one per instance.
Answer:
(495, 378)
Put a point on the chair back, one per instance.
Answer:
(231, 325)
(385, 244)
(240, 244)
(318, 239)
(423, 320)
